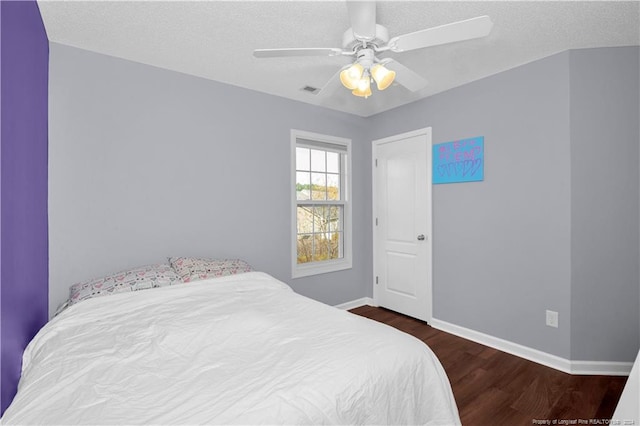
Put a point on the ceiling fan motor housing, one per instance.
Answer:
(366, 58)
(350, 42)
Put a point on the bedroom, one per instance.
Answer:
(137, 154)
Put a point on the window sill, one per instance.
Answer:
(306, 270)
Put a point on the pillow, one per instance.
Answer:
(141, 278)
(195, 268)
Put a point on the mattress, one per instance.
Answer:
(241, 349)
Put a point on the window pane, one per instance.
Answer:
(320, 219)
(302, 159)
(305, 248)
(319, 186)
(333, 162)
(318, 161)
(303, 185)
(333, 187)
(335, 246)
(305, 219)
(319, 233)
(320, 247)
(335, 218)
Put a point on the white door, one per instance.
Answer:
(402, 223)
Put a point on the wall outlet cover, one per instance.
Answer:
(552, 319)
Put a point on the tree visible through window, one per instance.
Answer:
(321, 201)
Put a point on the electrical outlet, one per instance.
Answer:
(552, 319)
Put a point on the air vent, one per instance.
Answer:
(310, 89)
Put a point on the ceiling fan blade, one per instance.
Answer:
(449, 33)
(362, 15)
(406, 77)
(332, 85)
(313, 51)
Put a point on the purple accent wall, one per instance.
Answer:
(24, 270)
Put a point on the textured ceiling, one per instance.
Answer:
(215, 40)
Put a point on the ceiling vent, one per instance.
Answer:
(310, 89)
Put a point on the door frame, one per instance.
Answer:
(427, 132)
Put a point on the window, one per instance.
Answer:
(321, 211)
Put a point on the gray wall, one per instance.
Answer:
(502, 246)
(604, 204)
(147, 163)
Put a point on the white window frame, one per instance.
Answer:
(325, 266)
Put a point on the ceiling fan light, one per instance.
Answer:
(351, 76)
(383, 76)
(363, 87)
(364, 94)
(364, 84)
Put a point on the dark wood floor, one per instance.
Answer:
(495, 388)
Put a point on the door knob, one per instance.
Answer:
(421, 237)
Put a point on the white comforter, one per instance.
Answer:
(240, 349)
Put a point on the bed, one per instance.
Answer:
(239, 349)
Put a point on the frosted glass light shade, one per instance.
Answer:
(382, 76)
(363, 88)
(351, 76)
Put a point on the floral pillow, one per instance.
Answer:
(130, 280)
(194, 268)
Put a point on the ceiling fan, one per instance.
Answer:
(366, 39)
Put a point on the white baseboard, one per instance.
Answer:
(553, 361)
(356, 303)
(605, 368)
